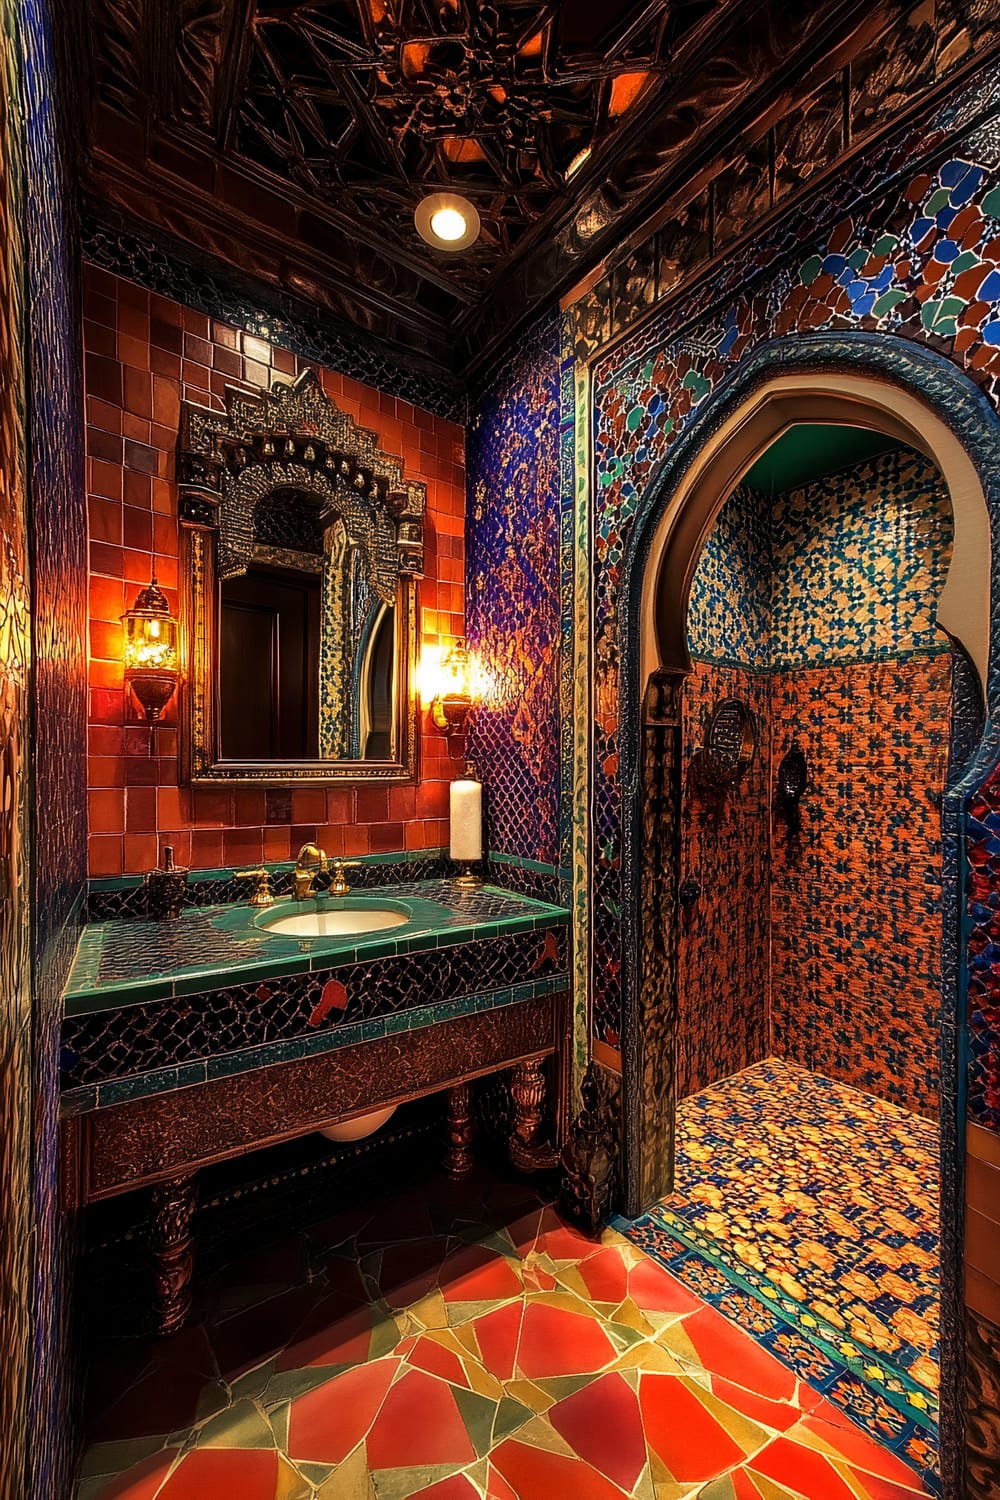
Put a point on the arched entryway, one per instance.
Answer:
(913, 398)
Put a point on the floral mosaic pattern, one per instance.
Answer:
(807, 1212)
(512, 603)
(466, 1347)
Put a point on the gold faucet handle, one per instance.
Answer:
(338, 885)
(262, 895)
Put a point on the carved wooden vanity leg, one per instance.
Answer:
(458, 1158)
(527, 1152)
(173, 1251)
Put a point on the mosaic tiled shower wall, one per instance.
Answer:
(513, 601)
(817, 608)
(888, 268)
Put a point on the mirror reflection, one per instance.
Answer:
(307, 641)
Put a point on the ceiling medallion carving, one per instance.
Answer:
(295, 138)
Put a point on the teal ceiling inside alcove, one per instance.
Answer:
(810, 450)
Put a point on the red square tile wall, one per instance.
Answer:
(144, 355)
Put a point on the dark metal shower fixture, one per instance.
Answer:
(730, 745)
(792, 780)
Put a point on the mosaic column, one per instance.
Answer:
(650, 1035)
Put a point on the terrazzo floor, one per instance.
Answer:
(807, 1212)
(461, 1342)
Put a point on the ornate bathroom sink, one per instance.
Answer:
(339, 917)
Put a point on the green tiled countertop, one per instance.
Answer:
(129, 962)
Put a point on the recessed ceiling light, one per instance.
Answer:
(447, 221)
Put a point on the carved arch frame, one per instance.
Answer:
(821, 373)
(291, 437)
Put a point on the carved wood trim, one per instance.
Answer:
(149, 1140)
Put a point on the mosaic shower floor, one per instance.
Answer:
(807, 1213)
(462, 1343)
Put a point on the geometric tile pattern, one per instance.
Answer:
(130, 1039)
(845, 568)
(465, 1345)
(807, 1212)
(724, 935)
(856, 926)
(816, 607)
(512, 539)
(983, 851)
(922, 262)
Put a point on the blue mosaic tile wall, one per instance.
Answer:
(16, 1080)
(730, 606)
(920, 261)
(512, 595)
(59, 629)
(848, 568)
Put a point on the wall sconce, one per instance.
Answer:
(151, 655)
(453, 699)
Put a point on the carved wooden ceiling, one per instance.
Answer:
(295, 137)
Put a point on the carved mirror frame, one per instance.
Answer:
(294, 438)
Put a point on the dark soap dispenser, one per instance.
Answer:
(165, 888)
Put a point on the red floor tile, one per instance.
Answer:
(654, 1290)
(606, 1276)
(428, 1355)
(726, 1350)
(860, 1450)
(247, 1473)
(329, 1336)
(419, 1423)
(556, 1342)
(478, 1274)
(779, 1415)
(683, 1432)
(536, 1475)
(603, 1425)
(497, 1334)
(801, 1469)
(327, 1424)
(455, 1488)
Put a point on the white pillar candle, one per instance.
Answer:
(466, 820)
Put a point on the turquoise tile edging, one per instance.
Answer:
(164, 1080)
(100, 883)
(438, 929)
(858, 1381)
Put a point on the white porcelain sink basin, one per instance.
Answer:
(336, 921)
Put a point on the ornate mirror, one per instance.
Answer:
(303, 543)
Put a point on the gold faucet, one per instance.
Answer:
(310, 861)
(262, 892)
(338, 885)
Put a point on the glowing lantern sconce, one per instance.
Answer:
(453, 698)
(151, 655)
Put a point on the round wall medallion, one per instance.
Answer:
(730, 742)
